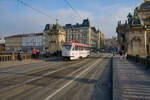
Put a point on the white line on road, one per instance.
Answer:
(50, 96)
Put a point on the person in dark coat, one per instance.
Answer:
(38, 53)
(20, 55)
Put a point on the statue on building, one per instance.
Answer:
(130, 18)
(136, 18)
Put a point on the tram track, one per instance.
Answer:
(49, 81)
(37, 83)
(24, 79)
(38, 68)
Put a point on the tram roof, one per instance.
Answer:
(73, 43)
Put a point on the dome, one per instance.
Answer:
(145, 5)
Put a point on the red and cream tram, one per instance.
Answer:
(73, 51)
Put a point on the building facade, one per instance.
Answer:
(13, 43)
(2, 45)
(55, 38)
(134, 34)
(33, 41)
(100, 41)
(82, 33)
(25, 42)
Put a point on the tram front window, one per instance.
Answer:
(67, 47)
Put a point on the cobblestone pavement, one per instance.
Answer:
(130, 81)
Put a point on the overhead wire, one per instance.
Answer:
(69, 4)
(35, 9)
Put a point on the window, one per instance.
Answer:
(72, 36)
(76, 47)
(78, 36)
(78, 30)
(67, 47)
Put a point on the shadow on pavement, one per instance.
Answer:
(137, 81)
(103, 87)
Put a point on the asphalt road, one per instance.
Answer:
(54, 79)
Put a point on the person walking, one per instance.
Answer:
(46, 54)
(38, 53)
(20, 55)
(121, 56)
(124, 56)
(34, 53)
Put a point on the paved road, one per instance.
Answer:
(54, 79)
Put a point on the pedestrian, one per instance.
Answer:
(34, 53)
(47, 54)
(38, 53)
(20, 55)
(124, 56)
(121, 56)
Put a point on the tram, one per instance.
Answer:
(72, 51)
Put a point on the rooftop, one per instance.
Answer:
(24, 35)
(85, 23)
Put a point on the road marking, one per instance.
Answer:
(50, 96)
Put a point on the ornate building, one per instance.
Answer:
(83, 33)
(100, 41)
(134, 34)
(55, 37)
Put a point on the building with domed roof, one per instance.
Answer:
(144, 12)
(134, 34)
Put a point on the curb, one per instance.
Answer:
(115, 82)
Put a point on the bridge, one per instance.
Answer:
(99, 77)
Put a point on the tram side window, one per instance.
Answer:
(73, 48)
(86, 48)
(81, 48)
(76, 48)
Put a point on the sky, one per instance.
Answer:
(16, 18)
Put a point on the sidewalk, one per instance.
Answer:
(130, 81)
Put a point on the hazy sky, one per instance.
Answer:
(16, 18)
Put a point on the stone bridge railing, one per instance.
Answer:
(14, 57)
(142, 60)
